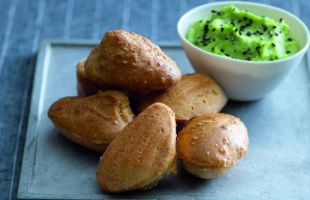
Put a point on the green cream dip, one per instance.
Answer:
(243, 35)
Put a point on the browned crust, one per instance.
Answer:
(206, 173)
(92, 121)
(196, 94)
(142, 154)
(85, 86)
(129, 61)
(214, 141)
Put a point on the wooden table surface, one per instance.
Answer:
(24, 23)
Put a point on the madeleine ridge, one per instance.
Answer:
(142, 153)
(209, 145)
(92, 121)
(128, 61)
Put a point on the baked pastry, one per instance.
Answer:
(142, 154)
(196, 94)
(211, 144)
(92, 121)
(85, 86)
(128, 61)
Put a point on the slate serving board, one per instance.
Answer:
(277, 165)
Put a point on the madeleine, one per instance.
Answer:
(196, 94)
(211, 144)
(142, 154)
(92, 121)
(128, 61)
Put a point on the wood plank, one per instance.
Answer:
(111, 16)
(169, 13)
(82, 24)
(54, 19)
(140, 20)
(4, 11)
(14, 94)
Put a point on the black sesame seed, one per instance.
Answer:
(236, 30)
(213, 29)
(288, 52)
(245, 52)
(239, 20)
(289, 39)
(226, 54)
(264, 27)
(240, 32)
(232, 23)
(206, 28)
(276, 34)
(213, 11)
(248, 58)
(212, 49)
(274, 27)
(273, 44)
(222, 50)
(280, 20)
(222, 29)
(219, 13)
(248, 34)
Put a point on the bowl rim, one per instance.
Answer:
(193, 10)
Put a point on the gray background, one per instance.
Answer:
(23, 23)
(276, 165)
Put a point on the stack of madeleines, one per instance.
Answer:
(132, 100)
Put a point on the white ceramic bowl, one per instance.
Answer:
(244, 80)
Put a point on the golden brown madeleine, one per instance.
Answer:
(85, 86)
(142, 154)
(92, 121)
(211, 144)
(129, 61)
(196, 94)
